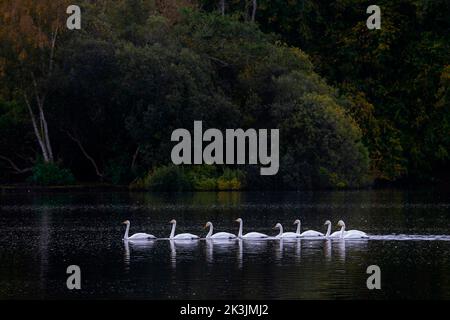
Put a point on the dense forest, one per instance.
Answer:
(354, 106)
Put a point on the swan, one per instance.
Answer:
(335, 234)
(350, 234)
(250, 235)
(136, 236)
(284, 235)
(218, 235)
(308, 233)
(181, 236)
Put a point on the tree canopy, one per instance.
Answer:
(106, 98)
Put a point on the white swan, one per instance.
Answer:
(250, 235)
(181, 236)
(218, 235)
(335, 234)
(284, 235)
(136, 236)
(308, 233)
(350, 234)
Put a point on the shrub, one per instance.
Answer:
(205, 184)
(195, 178)
(51, 174)
(165, 178)
(231, 180)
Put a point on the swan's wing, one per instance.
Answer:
(355, 234)
(290, 235)
(312, 233)
(336, 234)
(137, 236)
(255, 235)
(223, 235)
(185, 236)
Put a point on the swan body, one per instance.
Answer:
(136, 236)
(308, 233)
(355, 234)
(250, 235)
(336, 234)
(285, 235)
(181, 236)
(351, 234)
(218, 235)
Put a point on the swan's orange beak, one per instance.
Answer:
(124, 222)
(205, 226)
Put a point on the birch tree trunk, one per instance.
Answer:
(40, 127)
(255, 6)
(222, 7)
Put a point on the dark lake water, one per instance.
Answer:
(42, 234)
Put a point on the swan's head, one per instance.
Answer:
(297, 221)
(127, 222)
(341, 223)
(328, 222)
(277, 226)
(208, 224)
(238, 220)
(173, 221)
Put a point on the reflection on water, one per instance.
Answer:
(41, 234)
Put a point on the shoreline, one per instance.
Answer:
(71, 188)
(25, 188)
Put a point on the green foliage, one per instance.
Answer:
(275, 86)
(390, 79)
(231, 180)
(51, 174)
(131, 76)
(167, 178)
(119, 172)
(195, 178)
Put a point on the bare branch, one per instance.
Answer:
(52, 49)
(223, 63)
(136, 153)
(14, 166)
(80, 145)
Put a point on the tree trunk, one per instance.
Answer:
(37, 132)
(255, 5)
(222, 7)
(41, 130)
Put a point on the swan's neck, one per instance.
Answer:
(342, 230)
(126, 232)
(281, 230)
(328, 230)
(298, 228)
(172, 233)
(210, 231)
(240, 230)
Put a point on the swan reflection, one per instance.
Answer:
(250, 248)
(290, 244)
(137, 247)
(327, 249)
(183, 246)
(343, 246)
(218, 246)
